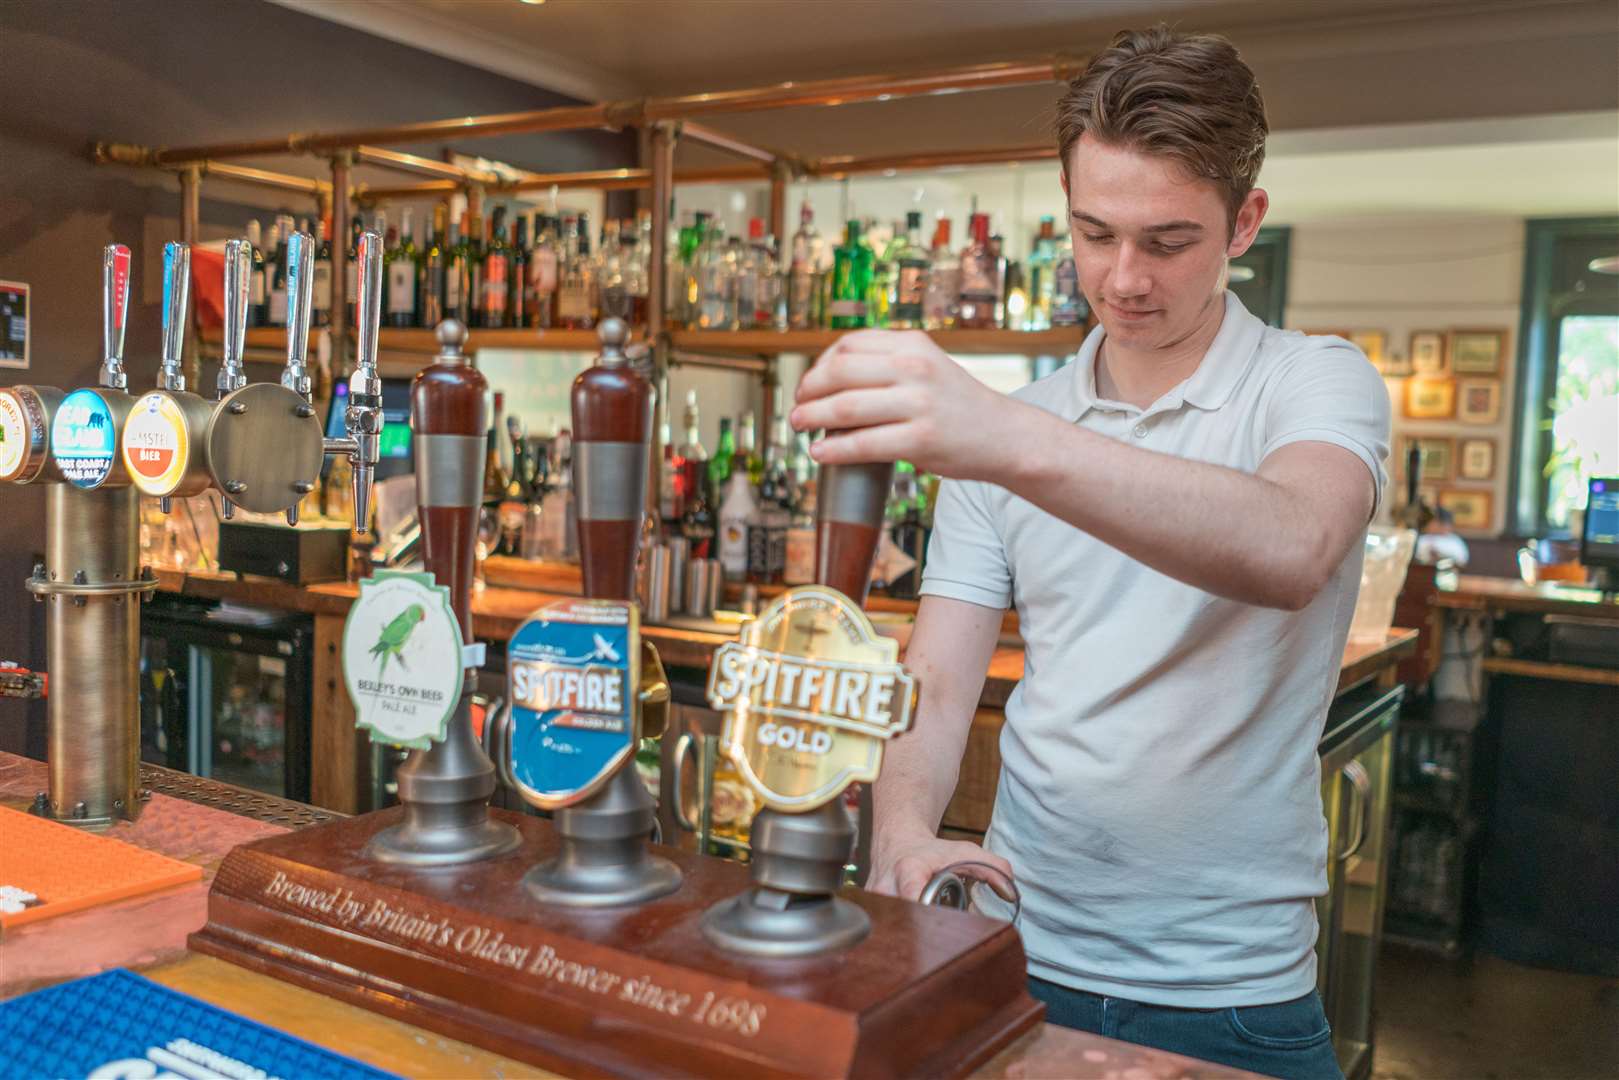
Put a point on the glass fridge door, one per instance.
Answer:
(246, 695)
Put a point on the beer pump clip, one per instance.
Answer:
(162, 443)
(583, 686)
(811, 695)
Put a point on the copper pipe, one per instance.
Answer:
(310, 186)
(367, 193)
(342, 214)
(730, 144)
(832, 168)
(779, 175)
(599, 180)
(190, 218)
(844, 91)
(756, 365)
(423, 166)
(664, 137)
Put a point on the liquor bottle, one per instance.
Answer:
(851, 281)
(541, 304)
(399, 267)
(747, 448)
(802, 269)
(637, 269)
(258, 289)
(884, 274)
(1003, 266)
(672, 477)
(495, 476)
(517, 277)
(799, 567)
(279, 232)
(457, 275)
(693, 459)
(737, 511)
(1017, 299)
(496, 277)
(767, 548)
(576, 284)
(719, 466)
(911, 268)
(943, 294)
(615, 297)
(475, 238)
(498, 422)
(323, 275)
(560, 527)
(980, 279)
(430, 282)
(716, 281)
(1042, 276)
(754, 267)
(1068, 306)
(351, 275)
(514, 503)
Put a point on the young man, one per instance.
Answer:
(1178, 516)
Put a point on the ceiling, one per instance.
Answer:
(1376, 106)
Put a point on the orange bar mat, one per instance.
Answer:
(70, 870)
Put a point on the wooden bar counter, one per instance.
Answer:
(203, 820)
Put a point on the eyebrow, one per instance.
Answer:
(1168, 226)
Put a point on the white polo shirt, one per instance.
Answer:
(1160, 796)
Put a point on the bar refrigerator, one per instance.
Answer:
(225, 693)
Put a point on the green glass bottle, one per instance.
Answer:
(719, 465)
(851, 282)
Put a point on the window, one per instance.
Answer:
(1568, 370)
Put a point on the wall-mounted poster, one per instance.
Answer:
(13, 324)
(1478, 401)
(1469, 507)
(1475, 459)
(1430, 399)
(1436, 458)
(1427, 352)
(1477, 352)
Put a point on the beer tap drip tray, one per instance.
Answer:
(630, 991)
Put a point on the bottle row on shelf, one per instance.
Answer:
(548, 272)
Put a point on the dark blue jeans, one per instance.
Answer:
(1290, 1039)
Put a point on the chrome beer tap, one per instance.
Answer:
(163, 440)
(114, 308)
(363, 418)
(238, 284)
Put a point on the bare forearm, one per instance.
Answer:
(949, 654)
(1230, 533)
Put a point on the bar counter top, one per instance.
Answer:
(498, 610)
(205, 819)
(1478, 593)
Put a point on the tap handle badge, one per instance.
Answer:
(238, 285)
(368, 301)
(115, 306)
(176, 292)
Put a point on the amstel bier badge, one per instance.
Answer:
(811, 695)
(574, 672)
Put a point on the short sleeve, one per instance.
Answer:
(1331, 393)
(966, 557)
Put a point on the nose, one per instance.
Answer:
(1129, 277)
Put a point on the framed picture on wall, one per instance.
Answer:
(1471, 508)
(13, 324)
(1477, 352)
(1430, 399)
(1395, 365)
(1427, 352)
(1374, 343)
(1436, 458)
(1478, 401)
(1475, 459)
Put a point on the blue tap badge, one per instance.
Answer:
(83, 440)
(573, 676)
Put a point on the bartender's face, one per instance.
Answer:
(1151, 243)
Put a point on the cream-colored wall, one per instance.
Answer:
(1402, 275)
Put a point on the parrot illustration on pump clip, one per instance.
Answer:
(395, 635)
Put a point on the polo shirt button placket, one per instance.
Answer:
(1141, 431)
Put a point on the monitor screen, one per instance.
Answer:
(394, 456)
(1599, 544)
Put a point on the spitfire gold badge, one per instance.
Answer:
(811, 693)
(402, 659)
(574, 675)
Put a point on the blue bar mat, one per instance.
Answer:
(119, 1026)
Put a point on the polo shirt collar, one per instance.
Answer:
(1209, 387)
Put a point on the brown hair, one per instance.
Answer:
(1184, 96)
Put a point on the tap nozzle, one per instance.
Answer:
(176, 292)
(238, 284)
(114, 306)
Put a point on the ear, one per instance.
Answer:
(1249, 216)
